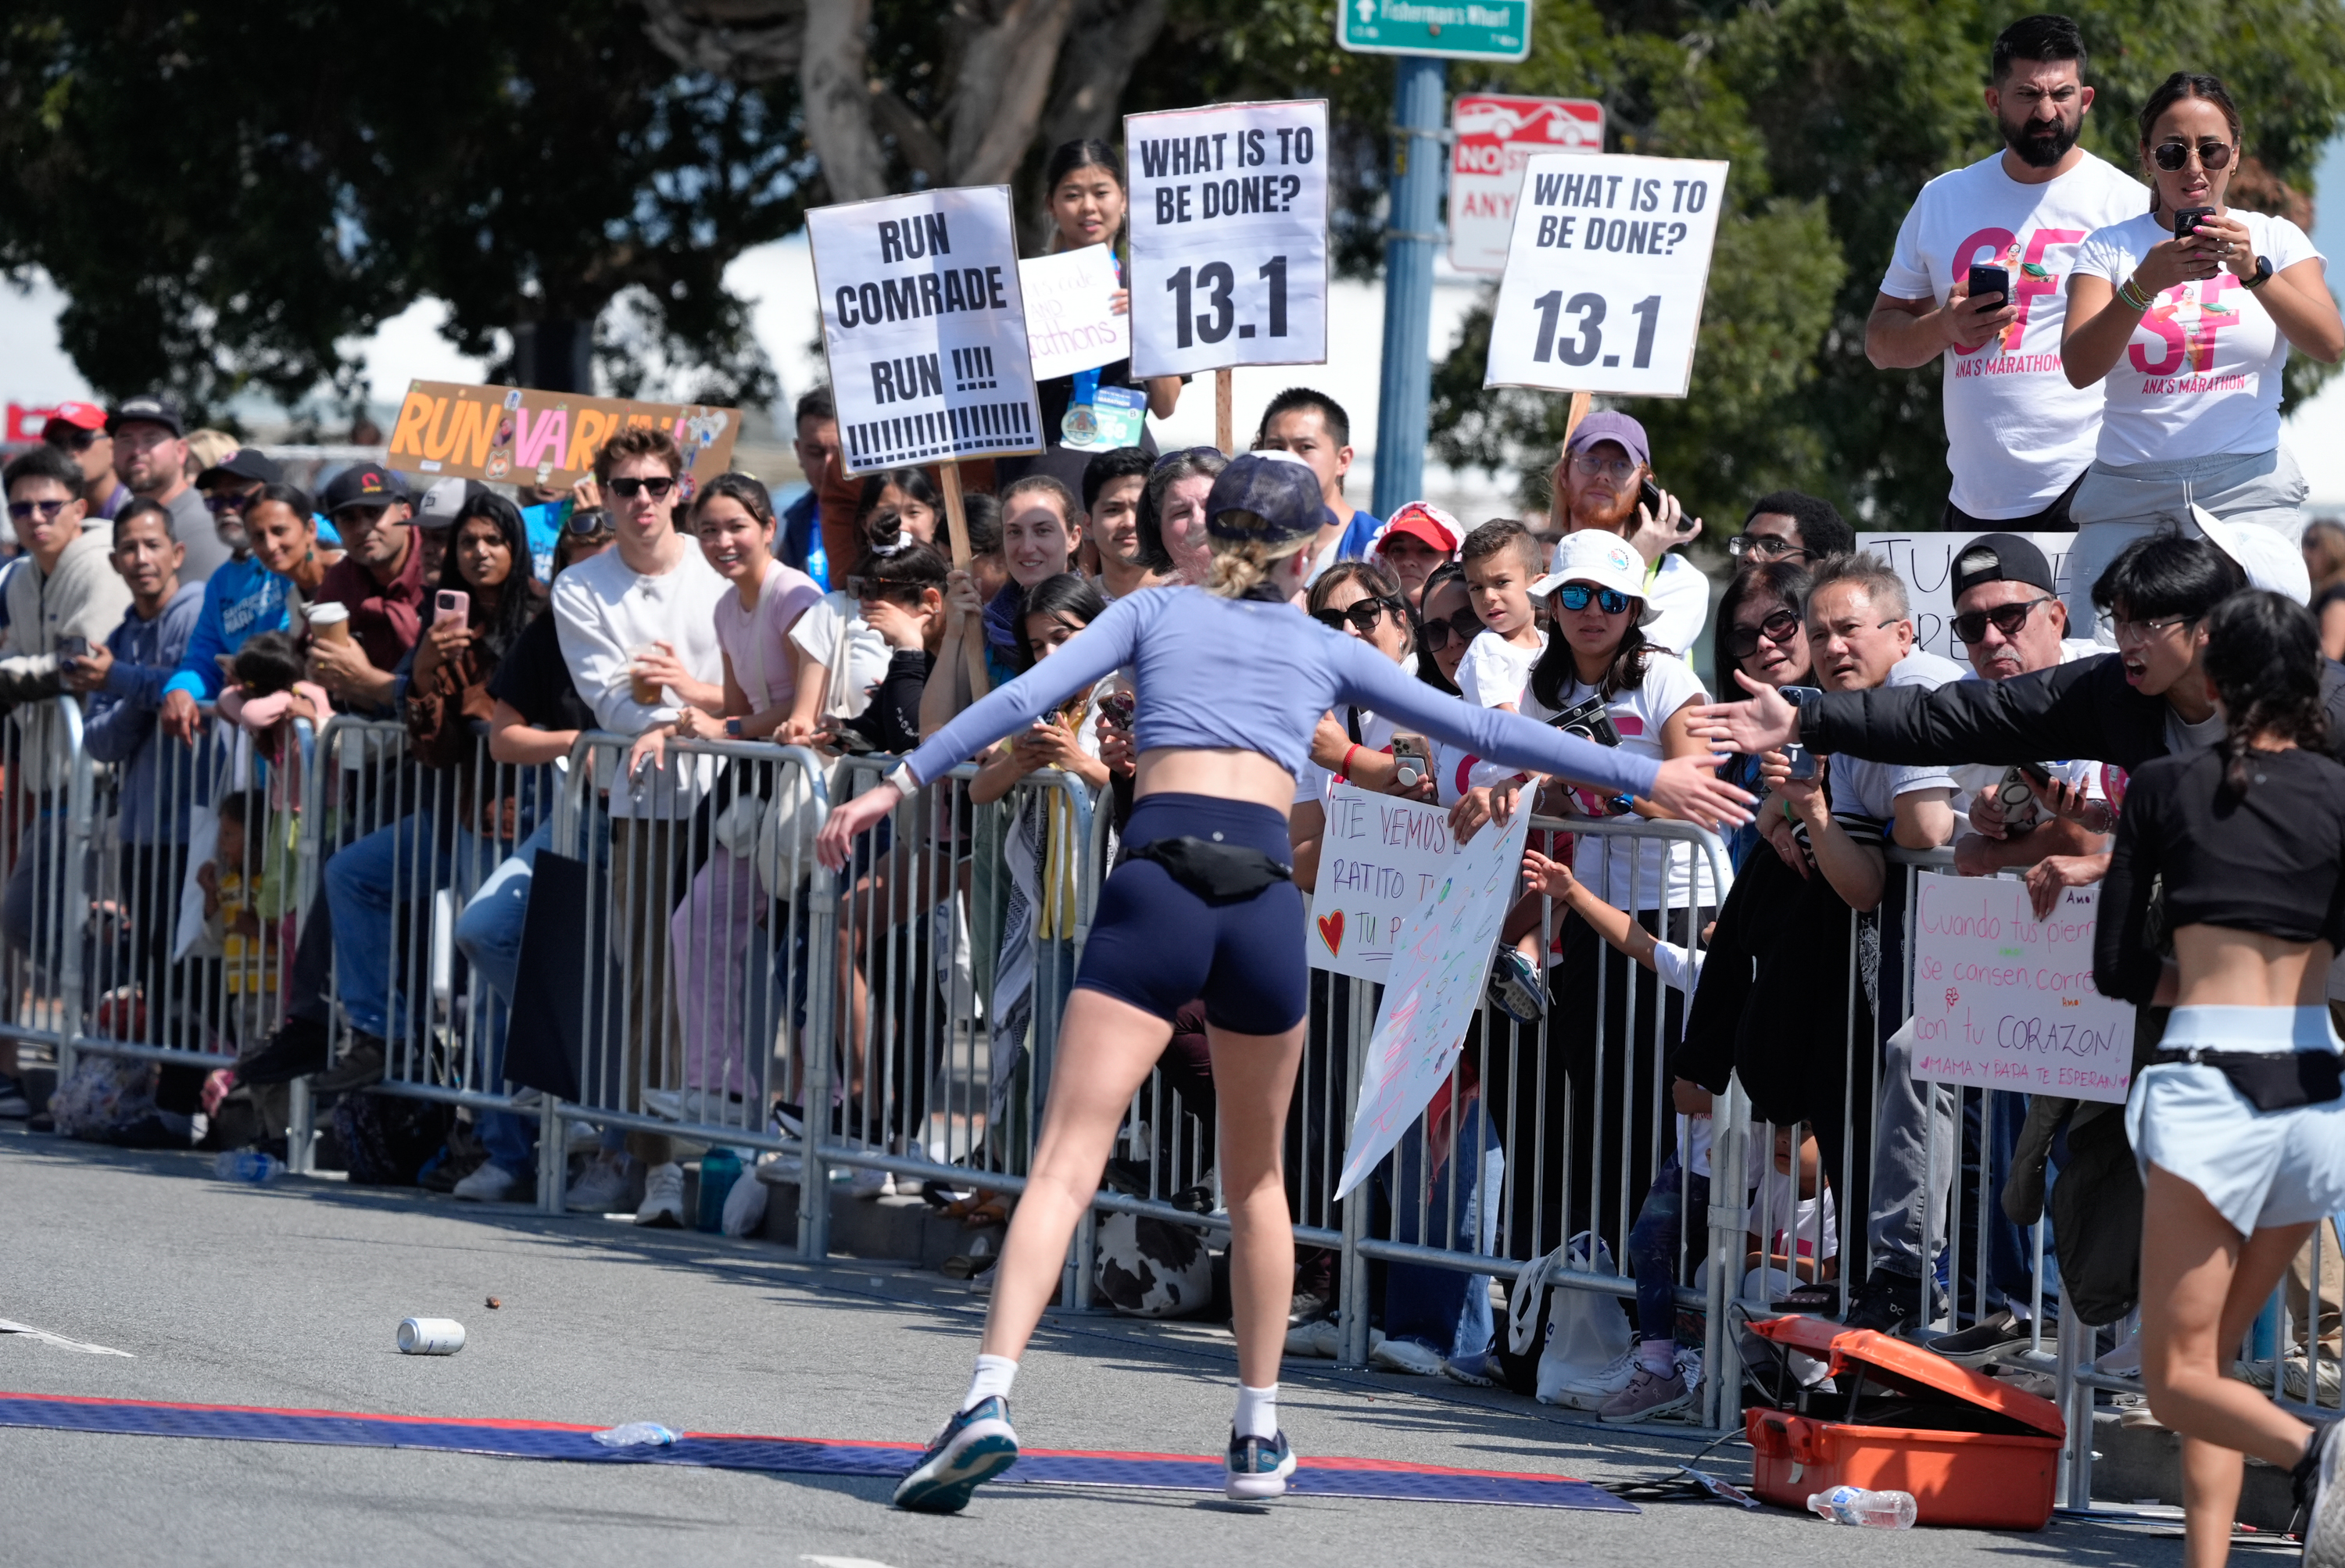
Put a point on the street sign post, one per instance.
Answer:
(1447, 29)
(1492, 137)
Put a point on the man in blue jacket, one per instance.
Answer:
(121, 681)
(242, 599)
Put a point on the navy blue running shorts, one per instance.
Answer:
(1158, 946)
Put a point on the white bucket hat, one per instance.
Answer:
(2263, 554)
(1606, 560)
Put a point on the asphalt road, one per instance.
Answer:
(288, 1296)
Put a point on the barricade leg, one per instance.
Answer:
(2076, 1409)
(821, 1009)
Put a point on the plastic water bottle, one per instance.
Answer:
(1874, 1510)
(255, 1165)
(720, 1169)
(637, 1434)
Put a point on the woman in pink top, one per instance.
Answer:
(710, 930)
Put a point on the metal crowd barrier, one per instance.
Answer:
(900, 1020)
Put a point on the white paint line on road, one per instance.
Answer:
(61, 1342)
(840, 1562)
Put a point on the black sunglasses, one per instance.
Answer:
(20, 510)
(73, 438)
(2007, 619)
(1465, 625)
(1362, 616)
(627, 489)
(2170, 156)
(215, 501)
(1575, 597)
(1741, 642)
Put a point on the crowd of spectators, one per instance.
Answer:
(210, 616)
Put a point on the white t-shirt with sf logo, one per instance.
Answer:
(2202, 373)
(2018, 434)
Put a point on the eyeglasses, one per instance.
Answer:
(1576, 595)
(1779, 628)
(1971, 626)
(73, 438)
(1465, 625)
(1620, 468)
(1362, 616)
(587, 522)
(1765, 548)
(20, 510)
(627, 489)
(1846, 633)
(2170, 156)
(2127, 631)
(219, 501)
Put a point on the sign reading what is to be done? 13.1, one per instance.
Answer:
(924, 326)
(1229, 237)
(2004, 1001)
(515, 435)
(1606, 274)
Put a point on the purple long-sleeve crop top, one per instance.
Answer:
(1218, 673)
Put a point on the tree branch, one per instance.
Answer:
(914, 137)
(1106, 41)
(836, 97)
(998, 93)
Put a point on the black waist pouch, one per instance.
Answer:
(1217, 873)
(2272, 1080)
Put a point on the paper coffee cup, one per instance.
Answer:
(648, 692)
(330, 622)
(430, 1336)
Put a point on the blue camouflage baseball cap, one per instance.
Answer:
(1265, 498)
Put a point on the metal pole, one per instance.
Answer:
(1420, 98)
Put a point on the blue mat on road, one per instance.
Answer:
(1357, 1478)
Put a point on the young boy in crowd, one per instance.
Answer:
(245, 885)
(1502, 560)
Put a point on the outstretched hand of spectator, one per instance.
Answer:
(2048, 877)
(1764, 723)
(2070, 803)
(1542, 875)
(87, 673)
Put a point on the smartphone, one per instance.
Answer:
(452, 605)
(1414, 753)
(1802, 760)
(73, 648)
(1985, 280)
(1651, 494)
(2037, 772)
(2187, 220)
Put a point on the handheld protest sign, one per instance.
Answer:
(1605, 273)
(518, 435)
(972, 627)
(924, 327)
(1229, 236)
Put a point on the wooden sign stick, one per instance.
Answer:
(972, 630)
(1224, 411)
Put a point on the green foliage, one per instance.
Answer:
(1835, 114)
(227, 191)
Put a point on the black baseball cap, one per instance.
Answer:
(244, 463)
(363, 485)
(2001, 558)
(155, 408)
(1267, 497)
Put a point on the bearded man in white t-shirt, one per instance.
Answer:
(2018, 436)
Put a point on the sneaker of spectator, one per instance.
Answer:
(1478, 1371)
(1998, 1334)
(1594, 1390)
(490, 1183)
(605, 1185)
(299, 1047)
(359, 1066)
(1405, 1356)
(1648, 1397)
(663, 1204)
(14, 1105)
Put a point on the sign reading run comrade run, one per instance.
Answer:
(924, 327)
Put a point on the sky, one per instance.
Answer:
(778, 279)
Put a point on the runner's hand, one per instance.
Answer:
(847, 822)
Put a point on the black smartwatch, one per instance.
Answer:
(731, 729)
(2263, 274)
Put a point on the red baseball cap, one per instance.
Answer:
(77, 415)
(1422, 521)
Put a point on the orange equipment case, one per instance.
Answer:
(1973, 1450)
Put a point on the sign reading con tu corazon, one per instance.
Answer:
(924, 325)
(520, 436)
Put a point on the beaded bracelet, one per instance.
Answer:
(2132, 294)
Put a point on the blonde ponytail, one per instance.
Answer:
(1240, 566)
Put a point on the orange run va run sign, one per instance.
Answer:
(518, 436)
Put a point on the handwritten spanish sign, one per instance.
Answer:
(520, 436)
(1435, 978)
(1926, 562)
(2004, 1001)
(1380, 860)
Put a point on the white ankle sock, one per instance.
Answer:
(1257, 1412)
(994, 1375)
(1659, 1356)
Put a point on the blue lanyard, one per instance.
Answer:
(1087, 383)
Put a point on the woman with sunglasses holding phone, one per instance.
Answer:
(1762, 633)
(2186, 315)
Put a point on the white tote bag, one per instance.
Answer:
(1586, 1330)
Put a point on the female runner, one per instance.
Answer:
(1232, 682)
(2237, 1126)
